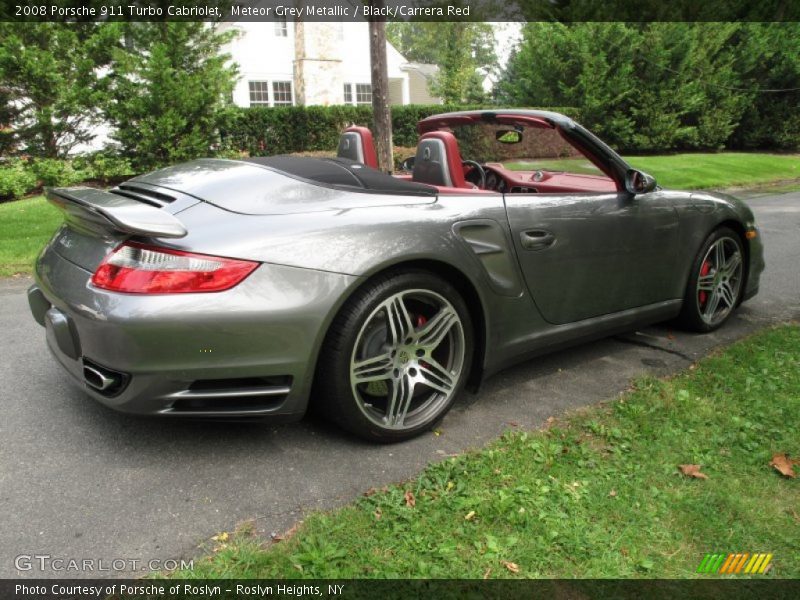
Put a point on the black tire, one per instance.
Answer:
(343, 400)
(694, 314)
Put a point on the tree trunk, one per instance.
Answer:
(381, 112)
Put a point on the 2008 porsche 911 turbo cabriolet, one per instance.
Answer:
(259, 287)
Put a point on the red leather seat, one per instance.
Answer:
(438, 161)
(357, 143)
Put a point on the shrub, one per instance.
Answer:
(55, 172)
(15, 180)
(104, 166)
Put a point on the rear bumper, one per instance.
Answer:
(246, 352)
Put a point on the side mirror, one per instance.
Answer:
(639, 182)
(408, 164)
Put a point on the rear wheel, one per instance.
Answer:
(396, 357)
(716, 282)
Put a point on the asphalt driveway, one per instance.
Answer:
(78, 481)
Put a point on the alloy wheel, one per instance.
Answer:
(407, 359)
(719, 281)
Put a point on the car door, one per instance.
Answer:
(585, 255)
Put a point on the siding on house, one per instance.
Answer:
(325, 62)
(419, 91)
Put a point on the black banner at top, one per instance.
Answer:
(400, 10)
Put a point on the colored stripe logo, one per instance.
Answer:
(735, 563)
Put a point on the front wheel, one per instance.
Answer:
(396, 357)
(716, 283)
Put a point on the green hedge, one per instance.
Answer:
(22, 176)
(283, 130)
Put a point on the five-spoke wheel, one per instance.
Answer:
(407, 340)
(407, 359)
(716, 283)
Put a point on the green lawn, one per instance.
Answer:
(723, 170)
(692, 171)
(25, 226)
(597, 495)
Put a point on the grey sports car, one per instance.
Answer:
(260, 287)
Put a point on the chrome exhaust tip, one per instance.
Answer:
(102, 379)
(97, 380)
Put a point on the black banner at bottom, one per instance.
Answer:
(385, 589)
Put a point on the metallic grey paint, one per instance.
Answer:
(605, 263)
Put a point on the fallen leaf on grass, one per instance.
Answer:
(783, 465)
(378, 514)
(469, 516)
(487, 573)
(279, 537)
(410, 500)
(692, 471)
(612, 493)
(220, 537)
(513, 567)
(513, 423)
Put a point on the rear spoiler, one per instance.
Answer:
(98, 208)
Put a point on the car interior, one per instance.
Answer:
(520, 156)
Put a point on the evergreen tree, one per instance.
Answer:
(168, 86)
(49, 92)
(644, 87)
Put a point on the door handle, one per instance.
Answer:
(536, 239)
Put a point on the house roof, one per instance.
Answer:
(426, 70)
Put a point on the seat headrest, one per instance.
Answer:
(356, 143)
(438, 160)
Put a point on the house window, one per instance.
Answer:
(282, 93)
(259, 93)
(281, 30)
(348, 93)
(363, 93)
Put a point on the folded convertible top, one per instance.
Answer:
(342, 173)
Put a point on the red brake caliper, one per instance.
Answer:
(703, 295)
(421, 320)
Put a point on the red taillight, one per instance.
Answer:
(136, 268)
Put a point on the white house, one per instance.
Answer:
(317, 63)
(300, 63)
